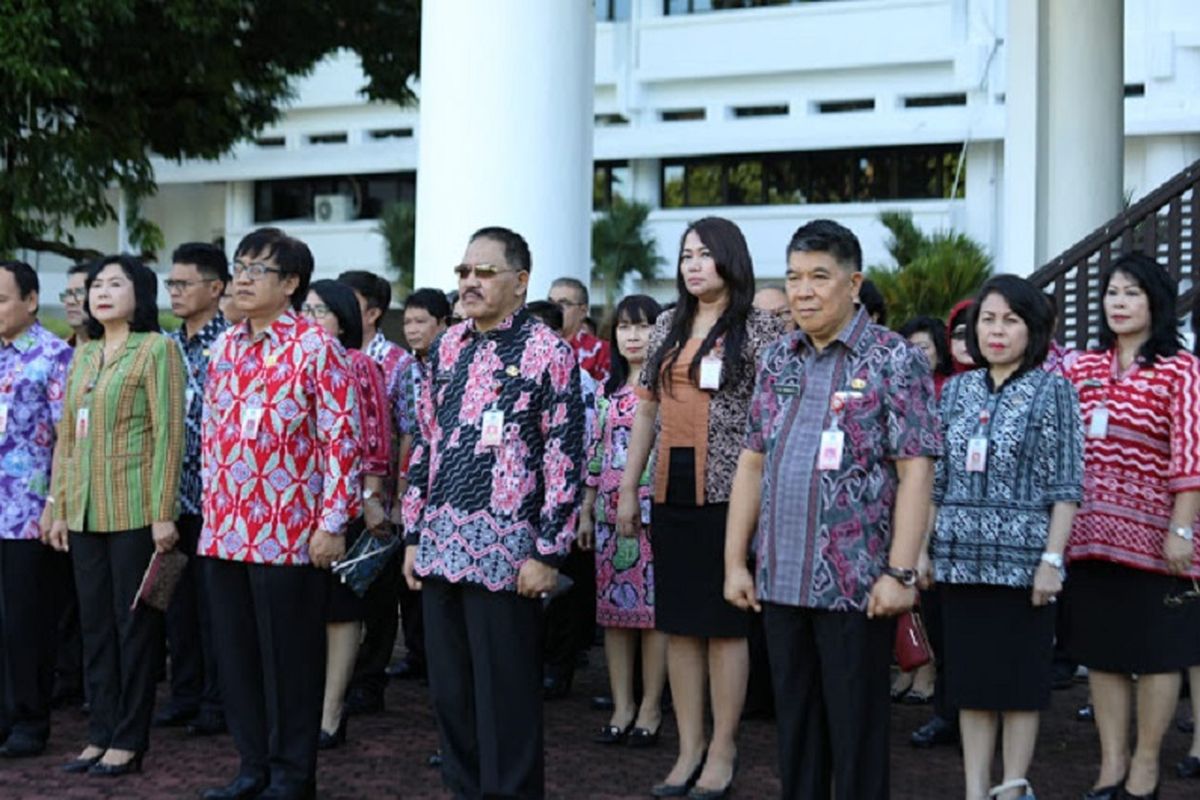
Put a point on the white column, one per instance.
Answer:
(505, 135)
(1022, 244)
(1085, 118)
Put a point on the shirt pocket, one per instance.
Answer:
(864, 426)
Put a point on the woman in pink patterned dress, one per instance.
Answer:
(624, 565)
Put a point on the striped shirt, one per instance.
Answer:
(121, 436)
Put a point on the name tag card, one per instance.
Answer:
(3, 418)
(710, 373)
(977, 451)
(81, 423)
(251, 421)
(188, 396)
(492, 434)
(1098, 426)
(832, 444)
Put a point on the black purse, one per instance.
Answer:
(365, 559)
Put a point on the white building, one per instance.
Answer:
(767, 115)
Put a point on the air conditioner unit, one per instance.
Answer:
(333, 208)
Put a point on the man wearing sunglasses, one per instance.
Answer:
(494, 484)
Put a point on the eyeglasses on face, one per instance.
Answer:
(482, 271)
(72, 294)
(316, 311)
(181, 286)
(255, 270)
(564, 303)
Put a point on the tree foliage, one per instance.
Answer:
(621, 246)
(398, 226)
(932, 272)
(89, 91)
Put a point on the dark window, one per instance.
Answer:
(613, 10)
(392, 133)
(609, 179)
(673, 7)
(761, 111)
(610, 120)
(845, 106)
(682, 115)
(1135, 90)
(824, 176)
(326, 138)
(935, 100)
(292, 198)
(270, 141)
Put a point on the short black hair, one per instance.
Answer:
(82, 266)
(827, 236)
(25, 276)
(516, 249)
(547, 312)
(145, 294)
(576, 284)
(208, 259)
(632, 308)
(872, 300)
(340, 300)
(1028, 303)
(1162, 294)
(292, 256)
(376, 290)
(936, 329)
(432, 300)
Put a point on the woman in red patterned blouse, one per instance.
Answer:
(1131, 554)
(332, 305)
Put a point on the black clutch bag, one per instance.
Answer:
(365, 559)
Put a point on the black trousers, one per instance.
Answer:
(485, 680)
(831, 672)
(121, 647)
(27, 638)
(269, 633)
(381, 618)
(68, 660)
(931, 615)
(571, 617)
(412, 622)
(189, 630)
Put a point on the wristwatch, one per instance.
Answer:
(908, 577)
(1053, 559)
(369, 494)
(1183, 532)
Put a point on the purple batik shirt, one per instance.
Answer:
(823, 535)
(33, 378)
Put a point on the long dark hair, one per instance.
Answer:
(1162, 293)
(145, 295)
(634, 308)
(1028, 303)
(936, 330)
(341, 302)
(727, 245)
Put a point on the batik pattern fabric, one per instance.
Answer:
(196, 352)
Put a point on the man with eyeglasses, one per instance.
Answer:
(281, 466)
(72, 299)
(198, 277)
(571, 296)
(490, 513)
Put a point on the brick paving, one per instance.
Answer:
(385, 757)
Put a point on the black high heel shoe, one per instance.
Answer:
(680, 789)
(700, 793)
(1125, 794)
(330, 741)
(611, 734)
(643, 737)
(78, 766)
(1105, 792)
(103, 770)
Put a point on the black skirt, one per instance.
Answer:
(1118, 621)
(688, 542)
(345, 605)
(998, 648)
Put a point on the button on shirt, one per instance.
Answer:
(33, 378)
(823, 535)
(280, 443)
(477, 512)
(196, 351)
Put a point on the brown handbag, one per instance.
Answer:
(912, 645)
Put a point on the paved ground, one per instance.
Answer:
(386, 753)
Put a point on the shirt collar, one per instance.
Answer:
(851, 336)
(208, 333)
(28, 338)
(283, 327)
(514, 320)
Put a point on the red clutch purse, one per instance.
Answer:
(912, 645)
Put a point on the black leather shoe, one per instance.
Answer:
(700, 793)
(1188, 768)
(1104, 792)
(362, 701)
(1127, 795)
(557, 685)
(434, 761)
(79, 766)
(933, 733)
(290, 790)
(679, 789)
(602, 702)
(329, 741)
(207, 723)
(102, 770)
(1085, 713)
(243, 787)
(174, 717)
(20, 745)
(611, 734)
(407, 670)
(643, 737)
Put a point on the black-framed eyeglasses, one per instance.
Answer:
(255, 270)
(72, 294)
(959, 334)
(181, 286)
(564, 303)
(316, 311)
(482, 271)
(1176, 600)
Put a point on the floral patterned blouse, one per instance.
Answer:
(610, 452)
(727, 407)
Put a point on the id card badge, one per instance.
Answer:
(3, 418)
(977, 452)
(493, 429)
(710, 373)
(188, 396)
(81, 423)
(832, 444)
(251, 420)
(1098, 427)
